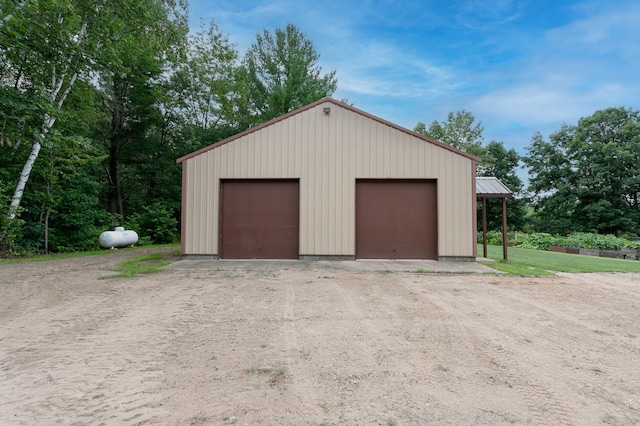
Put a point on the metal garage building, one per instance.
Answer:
(329, 181)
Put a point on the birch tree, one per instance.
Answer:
(48, 45)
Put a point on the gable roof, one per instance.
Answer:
(337, 103)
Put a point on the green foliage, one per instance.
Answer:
(203, 89)
(63, 209)
(10, 230)
(542, 241)
(460, 131)
(21, 115)
(586, 177)
(595, 241)
(107, 94)
(52, 49)
(539, 241)
(493, 238)
(155, 222)
(283, 74)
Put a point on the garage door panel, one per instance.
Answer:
(396, 219)
(243, 219)
(260, 219)
(288, 235)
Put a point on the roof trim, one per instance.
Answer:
(337, 103)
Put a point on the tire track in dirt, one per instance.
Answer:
(545, 394)
(393, 343)
(359, 348)
(480, 341)
(204, 336)
(452, 344)
(75, 343)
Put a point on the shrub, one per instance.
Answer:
(591, 241)
(10, 229)
(539, 241)
(10, 236)
(154, 223)
(494, 238)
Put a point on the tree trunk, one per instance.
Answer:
(22, 181)
(46, 231)
(115, 192)
(49, 121)
(115, 142)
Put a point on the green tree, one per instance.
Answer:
(132, 90)
(587, 176)
(49, 45)
(502, 163)
(203, 91)
(551, 181)
(459, 130)
(63, 209)
(283, 74)
(606, 152)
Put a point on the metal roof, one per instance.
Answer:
(491, 187)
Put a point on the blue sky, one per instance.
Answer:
(519, 66)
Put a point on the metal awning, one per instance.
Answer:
(491, 187)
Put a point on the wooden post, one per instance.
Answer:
(504, 228)
(484, 227)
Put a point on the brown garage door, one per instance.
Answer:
(259, 219)
(396, 220)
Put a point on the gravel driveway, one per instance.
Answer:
(324, 346)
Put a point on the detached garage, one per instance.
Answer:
(329, 181)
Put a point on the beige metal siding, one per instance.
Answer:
(327, 153)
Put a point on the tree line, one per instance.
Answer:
(99, 97)
(583, 178)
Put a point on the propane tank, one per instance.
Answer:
(118, 238)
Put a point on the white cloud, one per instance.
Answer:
(487, 14)
(386, 70)
(533, 104)
(576, 69)
(415, 61)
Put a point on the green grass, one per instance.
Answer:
(538, 262)
(56, 256)
(147, 264)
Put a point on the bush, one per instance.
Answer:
(10, 229)
(539, 241)
(10, 235)
(592, 241)
(154, 223)
(494, 238)
(542, 241)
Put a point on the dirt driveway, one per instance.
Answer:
(314, 347)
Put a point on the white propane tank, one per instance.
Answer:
(118, 238)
